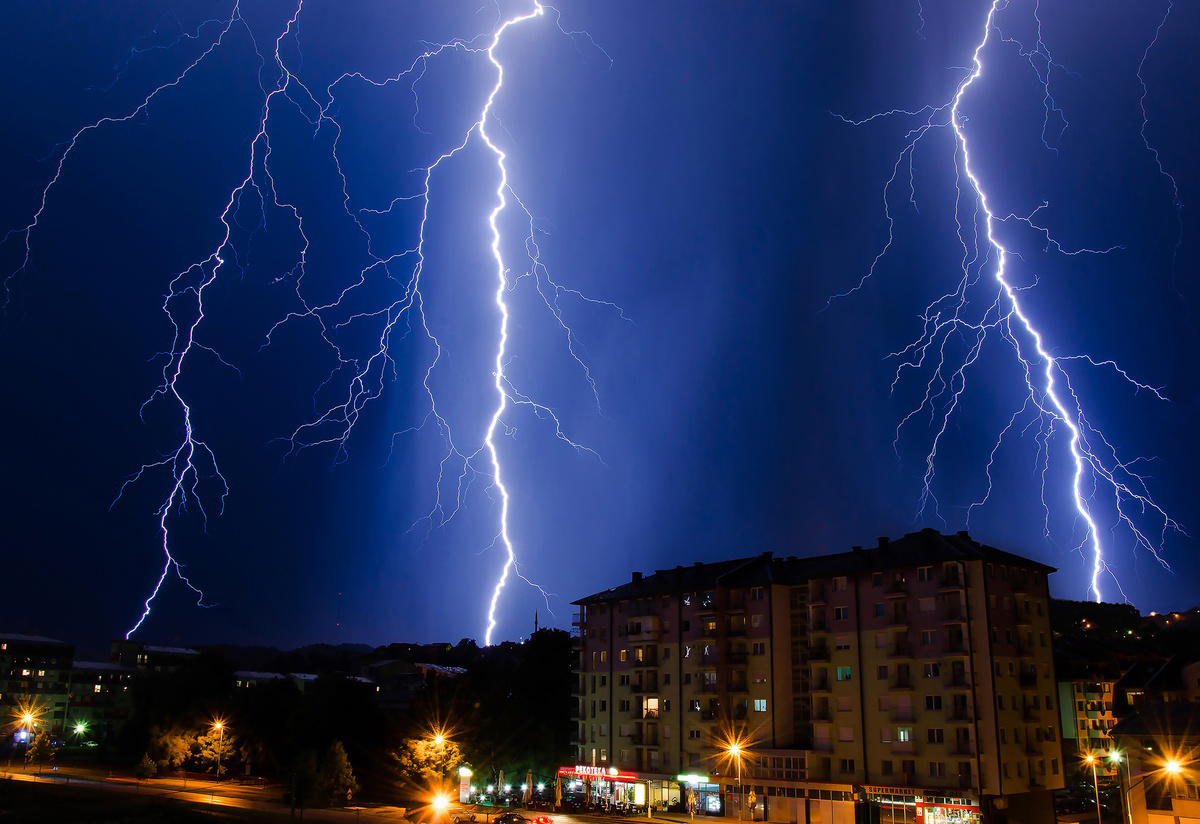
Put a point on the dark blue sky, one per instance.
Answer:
(681, 162)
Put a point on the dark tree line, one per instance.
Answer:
(510, 710)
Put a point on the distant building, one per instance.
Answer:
(1158, 745)
(100, 698)
(35, 669)
(150, 657)
(912, 676)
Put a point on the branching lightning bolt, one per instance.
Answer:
(986, 303)
(357, 379)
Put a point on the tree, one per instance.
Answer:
(171, 747)
(41, 751)
(146, 768)
(426, 761)
(215, 749)
(336, 778)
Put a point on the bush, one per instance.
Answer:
(146, 768)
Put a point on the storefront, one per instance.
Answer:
(700, 795)
(893, 806)
(947, 810)
(602, 785)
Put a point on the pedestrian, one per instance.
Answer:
(753, 801)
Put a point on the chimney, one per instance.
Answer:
(883, 542)
(637, 577)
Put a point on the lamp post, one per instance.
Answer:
(735, 752)
(1091, 759)
(219, 726)
(27, 723)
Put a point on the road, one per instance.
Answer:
(267, 799)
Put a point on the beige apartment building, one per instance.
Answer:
(911, 681)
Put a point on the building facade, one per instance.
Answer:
(915, 675)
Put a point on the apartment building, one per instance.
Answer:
(911, 678)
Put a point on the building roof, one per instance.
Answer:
(249, 675)
(170, 650)
(916, 548)
(31, 639)
(101, 666)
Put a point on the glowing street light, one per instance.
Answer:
(1091, 759)
(219, 727)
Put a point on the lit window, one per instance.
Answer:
(96, 688)
(624, 654)
(843, 673)
(904, 734)
(760, 705)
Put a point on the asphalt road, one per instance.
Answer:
(267, 799)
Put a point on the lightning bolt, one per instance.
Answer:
(359, 375)
(987, 303)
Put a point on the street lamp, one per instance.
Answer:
(1091, 759)
(219, 727)
(735, 752)
(28, 721)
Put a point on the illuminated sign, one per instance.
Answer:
(610, 773)
(692, 779)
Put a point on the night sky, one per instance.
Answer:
(696, 198)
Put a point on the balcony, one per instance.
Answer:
(821, 714)
(901, 683)
(954, 581)
(576, 619)
(739, 685)
(737, 659)
(708, 715)
(708, 688)
(1032, 714)
(649, 713)
(642, 687)
(649, 658)
(816, 595)
(963, 748)
(820, 686)
(956, 647)
(897, 588)
(1027, 679)
(962, 714)
(818, 653)
(958, 680)
(648, 632)
(903, 716)
(904, 650)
